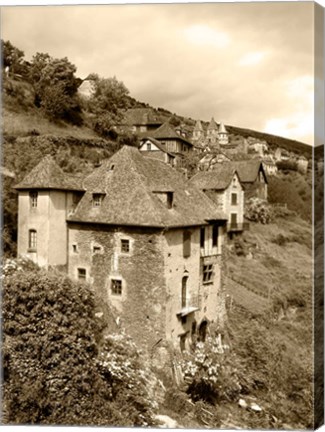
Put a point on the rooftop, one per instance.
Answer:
(248, 170)
(219, 178)
(48, 175)
(128, 181)
(166, 131)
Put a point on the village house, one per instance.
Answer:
(153, 148)
(148, 242)
(216, 135)
(223, 187)
(140, 121)
(253, 178)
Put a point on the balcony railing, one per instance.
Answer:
(191, 305)
(238, 226)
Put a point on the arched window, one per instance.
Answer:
(184, 291)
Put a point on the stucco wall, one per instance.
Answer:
(49, 221)
(142, 306)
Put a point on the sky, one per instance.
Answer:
(246, 64)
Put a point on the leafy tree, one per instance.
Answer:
(108, 100)
(57, 367)
(12, 56)
(55, 87)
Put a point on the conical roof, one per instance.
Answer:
(212, 125)
(222, 128)
(198, 126)
(48, 175)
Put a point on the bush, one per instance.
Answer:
(257, 210)
(211, 373)
(53, 365)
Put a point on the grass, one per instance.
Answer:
(23, 123)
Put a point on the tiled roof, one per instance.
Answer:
(129, 181)
(198, 126)
(157, 144)
(248, 170)
(141, 116)
(48, 175)
(212, 124)
(166, 131)
(219, 178)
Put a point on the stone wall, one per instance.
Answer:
(141, 307)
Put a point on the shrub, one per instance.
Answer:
(210, 372)
(257, 210)
(53, 360)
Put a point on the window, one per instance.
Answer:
(186, 244)
(33, 199)
(207, 273)
(202, 237)
(233, 219)
(97, 199)
(215, 232)
(184, 291)
(32, 239)
(116, 287)
(234, 182)
(125, 246)
(170, 200)
(233, 199)
(82, 274)
(74, 248)
(97, 249)
(148, 146)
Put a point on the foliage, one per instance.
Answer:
(10, 210)
(287, 165)
(122, 365)
(257, 210)
(56, 370)
(107, 102)
(12, 56)
(210, 372)
(56, 87)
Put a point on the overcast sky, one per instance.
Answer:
(246, 64)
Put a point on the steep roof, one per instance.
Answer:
(141, 116)
(219, 178)
(48, 175)
(248, 170)
(212, 124)
(129, 181)
(198, 126)
(222, 128)
(166, 131)
(157, 144)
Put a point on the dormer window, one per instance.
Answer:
(97, 199)
(170, 197)
(148, 147)
(166, 197)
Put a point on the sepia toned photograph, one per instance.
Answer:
(163, 215)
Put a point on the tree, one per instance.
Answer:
(55, 87)
(57, 366)
(12, 56)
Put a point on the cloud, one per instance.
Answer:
(252, 58)
(204, 35)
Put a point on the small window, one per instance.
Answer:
(207, 273)
(215, 232)
(234, 182)
(116, 287)
(82, 274)
(33, 199)
(186, 244)
(148, 146)
(233, 199)
(74, 248)
(184, 291)
(97, 249)
(97, 199)
(170, 200)
(32, 239)
(202, 237)
(125, 246)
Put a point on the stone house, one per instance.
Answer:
(253, 177)
(140, 121)
(153, 148)
(216, 135)
(223, 187)
(148, 242)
